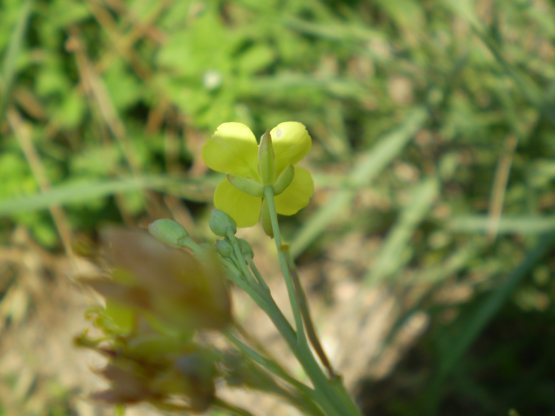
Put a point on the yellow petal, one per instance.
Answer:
(291, 142)
(242, 207)
(297, 195)
(232, 149)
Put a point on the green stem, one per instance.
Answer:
(309, 325)
(242, 265)
(237, 277)
(324, 392)
(266, 362)
(293, 298)
(302, 396)
(303, 355)
(259, 277)
(333, 390)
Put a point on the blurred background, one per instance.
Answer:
(428, 251)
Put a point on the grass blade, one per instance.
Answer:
(14, 47)
(78, 192)
(395, 251)
(506, 225)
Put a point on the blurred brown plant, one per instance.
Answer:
(157, 298)
(171, 284)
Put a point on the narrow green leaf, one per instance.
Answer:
(395, 252)
(79, 192)
(506, 225)
(8, 66)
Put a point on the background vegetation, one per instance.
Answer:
(434, 131)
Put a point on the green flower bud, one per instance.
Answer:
(224, 248)
(266, 159)
(169, 232)
(246, 249)
(284, 180)
(220, 223)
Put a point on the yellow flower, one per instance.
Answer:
(233, 150)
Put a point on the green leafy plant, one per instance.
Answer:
(433, 125)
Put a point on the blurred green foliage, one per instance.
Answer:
(441, 111)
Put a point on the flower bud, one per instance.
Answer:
(220, 223)
(224, 248)
(266, 159)
(246, 249)
(169, 232)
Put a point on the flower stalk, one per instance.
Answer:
(332, 387)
